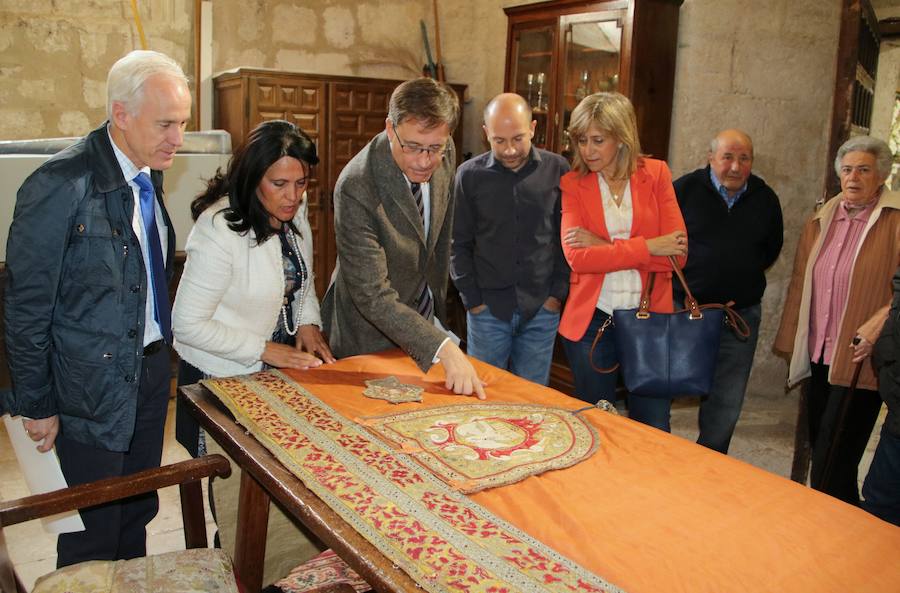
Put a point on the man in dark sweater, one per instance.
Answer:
(735, 233)
(506, 258)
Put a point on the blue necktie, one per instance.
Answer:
(159, 286)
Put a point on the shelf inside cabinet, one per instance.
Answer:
(535, 54)
(594, 50)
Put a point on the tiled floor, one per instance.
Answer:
(764, 438)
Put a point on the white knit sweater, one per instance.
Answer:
(230, 295)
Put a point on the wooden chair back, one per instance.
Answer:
(187, 474)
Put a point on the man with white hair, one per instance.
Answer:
(87, 309)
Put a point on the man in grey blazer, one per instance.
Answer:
(393, 219)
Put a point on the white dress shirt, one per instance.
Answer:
(152, 332)
(621, 289)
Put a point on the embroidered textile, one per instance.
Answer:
(392, 390)
(606, 406)
(442, 539)
(478, 446)
(183, 571)
(325, 569)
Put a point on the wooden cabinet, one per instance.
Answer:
(340, 113)
(560, 51)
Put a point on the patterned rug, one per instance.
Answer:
(325, 569)
(478, 446)
(442, 539)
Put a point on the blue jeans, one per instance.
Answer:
(524, 347)
(881, 489)
(721, 408)
(592, 386)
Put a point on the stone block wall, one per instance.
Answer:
(55, 54)
(369, 38)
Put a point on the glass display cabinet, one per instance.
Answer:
(560, 51)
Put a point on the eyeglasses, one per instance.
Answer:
(416, 149)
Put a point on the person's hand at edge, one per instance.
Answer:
(283, 356)
(311, 340)
(43, 431)
(461, 376)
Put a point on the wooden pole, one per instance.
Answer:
(137, 22)
(437, 42)
(198, 72)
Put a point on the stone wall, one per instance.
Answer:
(888, 85)
(55, 54)
(369, 38)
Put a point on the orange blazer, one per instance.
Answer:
(655, 213)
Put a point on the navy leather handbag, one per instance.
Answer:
(669, 355)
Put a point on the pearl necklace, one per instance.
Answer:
(293, 244)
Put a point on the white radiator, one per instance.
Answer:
(197, 161)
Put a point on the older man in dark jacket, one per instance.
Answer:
(87, 311)
(735, 231)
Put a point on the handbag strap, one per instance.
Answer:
(644, 303)
(732, 317)
(737, 323)
(690, 302)
(596, 341)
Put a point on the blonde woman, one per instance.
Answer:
(620, 222)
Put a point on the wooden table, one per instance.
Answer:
(264, 478)
(648, 511)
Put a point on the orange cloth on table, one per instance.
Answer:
(650, 511)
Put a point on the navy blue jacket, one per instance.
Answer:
(76, 293)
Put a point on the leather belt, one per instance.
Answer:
(153, 347)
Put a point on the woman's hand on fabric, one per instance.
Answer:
(579, 238)
(312, 341)
(862, 348)
(675, 243)
(283, 356)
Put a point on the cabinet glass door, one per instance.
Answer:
(533, 75)
(591, 60)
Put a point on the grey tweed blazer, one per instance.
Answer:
(382, 254)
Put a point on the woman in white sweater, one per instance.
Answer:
(247, 297)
